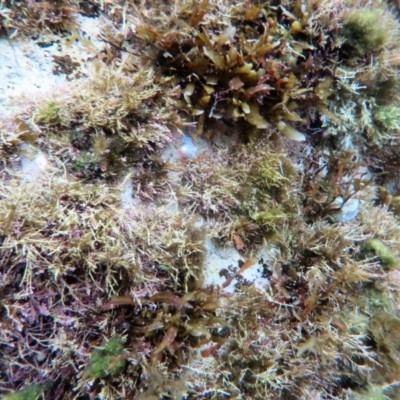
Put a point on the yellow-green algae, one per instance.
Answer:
(30, 392)
(107, 360)
(389, 260)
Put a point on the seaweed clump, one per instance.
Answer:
(250, 66)
(365, 31)
(107, 125)
(71, 251)
(247, 201)
(367, 82)
(106, 360)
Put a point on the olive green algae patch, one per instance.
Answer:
(365, 31)
(49, 113)
(388, 117)
(31, 392)
(389, 260)
(107, 360)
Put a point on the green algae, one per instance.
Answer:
(364, 31)
(30, 392)
(389, 260)
(388, 117)
(107, 360)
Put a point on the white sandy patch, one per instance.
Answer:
(33, 162)
(219, 260)
(26, 69)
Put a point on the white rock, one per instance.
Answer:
(349, 210)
